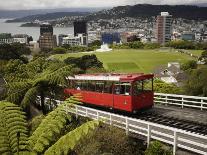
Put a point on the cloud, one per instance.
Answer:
(34, 4)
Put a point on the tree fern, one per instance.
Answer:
(67, 143)
(49, 130)
(26, 91)
(12, 121)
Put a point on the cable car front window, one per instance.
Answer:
(142, 86)
(122, 88)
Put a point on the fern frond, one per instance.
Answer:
(30, 96)
(67, 143)
(12, 121)
(48, 131)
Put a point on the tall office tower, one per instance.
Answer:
(80, 27)
(46, 28)
(47, 40)
(163, 29)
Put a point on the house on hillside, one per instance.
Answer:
(171, 73)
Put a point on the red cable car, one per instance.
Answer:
(126, 92)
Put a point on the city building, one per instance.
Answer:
(6, 38)
(46, 28)
(34, 46)
(163, 30)
(188, 36)
(80, 27)
(60, 39)
(129, 37)
(21, 38)
(80, 40)
(47, 40)
(110, 37)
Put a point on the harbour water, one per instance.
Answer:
(14, 28)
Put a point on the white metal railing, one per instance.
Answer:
(176, 137)
(181, 100)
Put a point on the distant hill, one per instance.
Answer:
(23, 13)
(148, 10)
(47, 16)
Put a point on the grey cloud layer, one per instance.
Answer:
(30, 4)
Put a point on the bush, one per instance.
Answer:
(191, 64)
(157, 148)
(162, 87)
(109, 140)
(59, 50)
(152, 45)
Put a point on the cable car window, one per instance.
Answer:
(138, 87)
(78, 85)
(122, 88)
(99, 87)
(108, 85)
(91, 85)
(117, 88)
(148, 85)
(84, 85)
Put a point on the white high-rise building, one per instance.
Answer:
(163, 31)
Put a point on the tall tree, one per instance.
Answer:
(25, 91)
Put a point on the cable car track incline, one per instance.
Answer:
(154, 117)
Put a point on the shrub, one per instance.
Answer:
(157, 148)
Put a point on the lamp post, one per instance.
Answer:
(18, 136)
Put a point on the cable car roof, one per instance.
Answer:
(111, 77)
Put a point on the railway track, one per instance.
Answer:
(186, 125)
(155, 117)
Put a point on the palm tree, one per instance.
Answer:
(44, 83)
(48, 138)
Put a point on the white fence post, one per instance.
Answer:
(175, 143)
(76, 112)
(127, 126)
(97, 115)
(86, 112)
(201, 104)
(148, 135)
(182, 103)
(166, 100)
(110, 119)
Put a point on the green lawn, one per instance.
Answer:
(131, 60)
(196, 52)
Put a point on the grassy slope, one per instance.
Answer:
(125, 60)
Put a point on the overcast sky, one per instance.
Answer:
(35, 4)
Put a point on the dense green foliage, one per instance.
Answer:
(49, 130)
(203, 56)
(109, 140)
(85, 62)
(191, 64)
(40, 77)
(12, 121)
(50, 135)
(196, 83)
(96, 43)
(72, 49)
(162, 87)
(71, 139)
(59, 50)
(156, 148)
(182, 44)
(13, 51)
